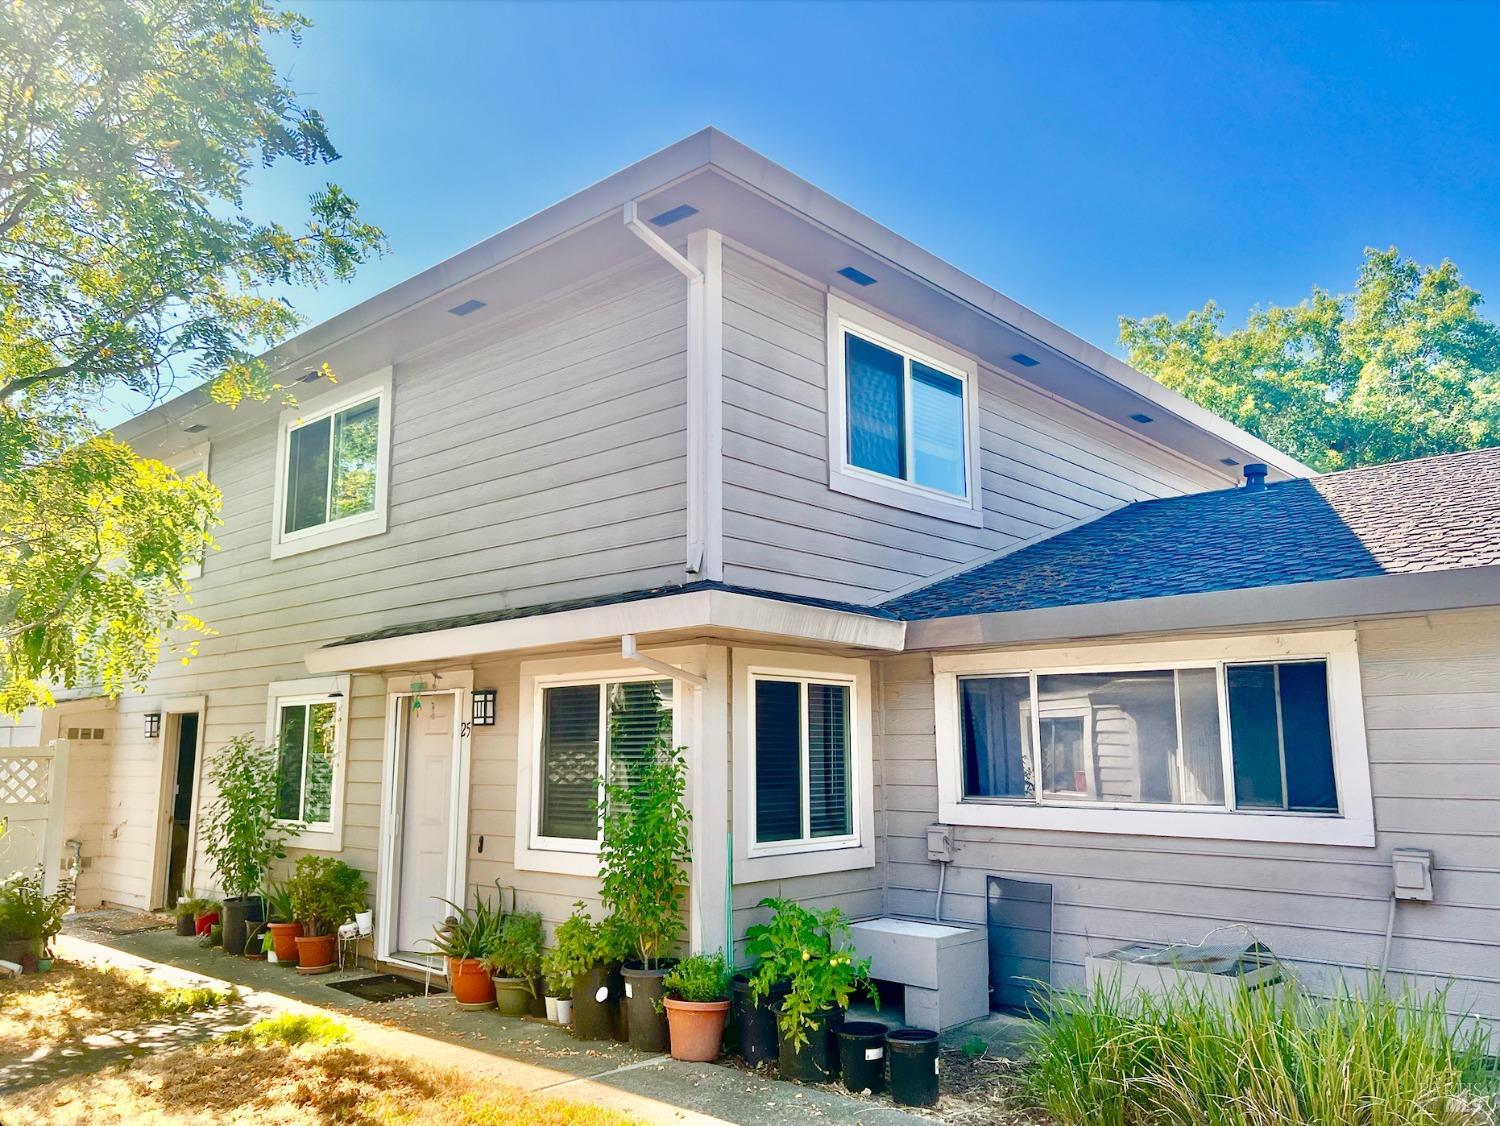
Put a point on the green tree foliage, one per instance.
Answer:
(1403, 367)
(128, 264)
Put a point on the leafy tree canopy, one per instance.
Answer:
(1403, 367)
(128, 263)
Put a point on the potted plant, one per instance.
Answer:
(241, 834)
(463, 940)
(590, 954)
(697, 1004)
(190, 909)
(514, 959)
(324, 894)
(809, 951)
(208, 914)
(558, 981)
(646, 846)
(30, 918)
(282, 923)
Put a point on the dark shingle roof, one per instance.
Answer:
(1434, 514)
(510, 613)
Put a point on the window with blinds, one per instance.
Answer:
(590, 731)
(803, 788)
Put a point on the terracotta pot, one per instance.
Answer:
(284, 940)
(697, 1029)
(317, 954)
(204, 923)
(471, 984)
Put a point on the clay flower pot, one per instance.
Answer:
(697, 1029)
(284, 940)
(316, 954)
(471, 984)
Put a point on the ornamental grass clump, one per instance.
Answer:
(1192, 1059)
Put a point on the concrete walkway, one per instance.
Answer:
(532, 1055)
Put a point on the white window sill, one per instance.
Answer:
(320, 838)
(816, 862)
(897, 494)
(1283, 828)
(557, 861)
(343, 531)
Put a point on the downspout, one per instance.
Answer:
(629, 651)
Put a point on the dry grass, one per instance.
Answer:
(74, 1001)
(309, 1084)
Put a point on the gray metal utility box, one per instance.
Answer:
(944, 967)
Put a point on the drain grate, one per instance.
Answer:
(383, 987)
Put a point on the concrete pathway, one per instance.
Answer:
(532, 1055)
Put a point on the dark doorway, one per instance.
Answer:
(182, 804)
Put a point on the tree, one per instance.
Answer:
(1403, 367)
(128, 264)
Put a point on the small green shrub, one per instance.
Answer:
(194, 905)
(583, 944)
(191, 999)
(517, 950)
(702, 977)
(811, 952)
(290, 1029)
(1185, 1059)
(973, 1048)
(559, 978)
(325, 893)
(28, 913)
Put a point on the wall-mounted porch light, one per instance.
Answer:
(484, 707)
(153, 725)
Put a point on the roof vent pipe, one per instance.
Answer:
(1255, 475)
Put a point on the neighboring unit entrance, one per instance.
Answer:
(424, 816)
(179, 832)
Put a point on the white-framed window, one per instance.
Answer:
(332, 467)
(582, 720)
(803, 793)
(307, 725)
(903, 420)
(185, 465)
(1247, 738)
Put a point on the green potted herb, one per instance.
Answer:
(697, 1004)
(514, 959)
(463, 940)
(190, 909)
(590, 953)
(283, 924)
(30, 918)
(241, 834)
(324, 893)
(810, 951)
(558, 979)
(642, 871)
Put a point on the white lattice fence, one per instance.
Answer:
(33, 785)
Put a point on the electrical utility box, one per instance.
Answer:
(939, 843)
(1412, 873)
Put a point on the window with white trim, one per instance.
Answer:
(332, 467)
(902, 418)
(307, 727)
(1233, 735)
(1241, 738)
(591, 730)
(803, 768)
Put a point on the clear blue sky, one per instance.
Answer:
(1087, 160)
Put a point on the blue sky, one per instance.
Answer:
(1087, 160)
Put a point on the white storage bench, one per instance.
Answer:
(944, 967)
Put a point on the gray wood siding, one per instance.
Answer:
(540, 457)
(1044, 464)
(1432, 708)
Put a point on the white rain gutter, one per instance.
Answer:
(636, 657)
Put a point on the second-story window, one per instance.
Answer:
(332, 468)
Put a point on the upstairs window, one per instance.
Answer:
(902, 419)
(331, 474)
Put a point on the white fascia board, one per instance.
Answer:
(1335, 600)
(700, 610)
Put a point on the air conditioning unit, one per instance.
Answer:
(1158, 969)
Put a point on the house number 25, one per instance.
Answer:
(463, 728)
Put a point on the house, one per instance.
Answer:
(895, 552)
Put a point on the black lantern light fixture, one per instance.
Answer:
(484, 707)
(153, 725)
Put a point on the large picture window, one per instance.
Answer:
(1244, 738)
(590, 731)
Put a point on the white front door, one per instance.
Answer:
(424, 844)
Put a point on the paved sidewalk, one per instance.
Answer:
(532, 1055)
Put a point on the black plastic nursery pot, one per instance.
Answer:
(538, 998)
(914, 1066)
(753, 1024)
(239, 910)
(816, 1060)
(596, 1003)
(186, 926)
(646, 1018)
(862, 1055)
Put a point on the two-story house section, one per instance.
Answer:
(892, 550)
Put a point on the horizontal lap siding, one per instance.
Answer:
(1432, 708)
(539, 458)
(1043, 464)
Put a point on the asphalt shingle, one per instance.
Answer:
(1433, 514)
